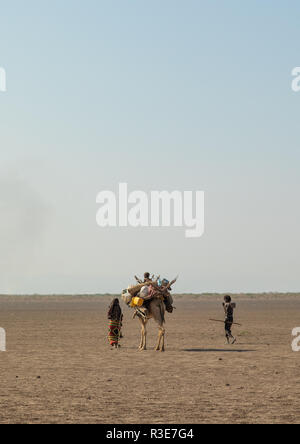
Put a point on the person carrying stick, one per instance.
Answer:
(229, 308)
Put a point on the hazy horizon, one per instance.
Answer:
(166, 95)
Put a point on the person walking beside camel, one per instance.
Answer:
(115, 317)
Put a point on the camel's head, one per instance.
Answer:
(126, 297)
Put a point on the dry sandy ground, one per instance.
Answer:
(58, 367)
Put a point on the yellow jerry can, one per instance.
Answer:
(136, 302)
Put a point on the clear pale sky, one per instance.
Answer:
(163, 95)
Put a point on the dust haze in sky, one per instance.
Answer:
(22, 225)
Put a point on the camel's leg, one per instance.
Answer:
(142, 336)
(161, 340)
(145, 338)
(162, 348)
(160, 335)
(143, 345)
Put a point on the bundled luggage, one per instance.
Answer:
(137, 296)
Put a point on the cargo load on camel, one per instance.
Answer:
(139, 296)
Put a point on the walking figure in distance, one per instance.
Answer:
(229, 308)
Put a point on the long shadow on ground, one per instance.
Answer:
(221, 350)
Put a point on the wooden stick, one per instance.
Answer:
(217, 320)
(138, 280)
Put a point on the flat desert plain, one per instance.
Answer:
(58, 367)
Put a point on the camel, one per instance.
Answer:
(155, 310)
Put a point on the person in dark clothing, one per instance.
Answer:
(147, 277)
(229, 308)
(115, 318)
